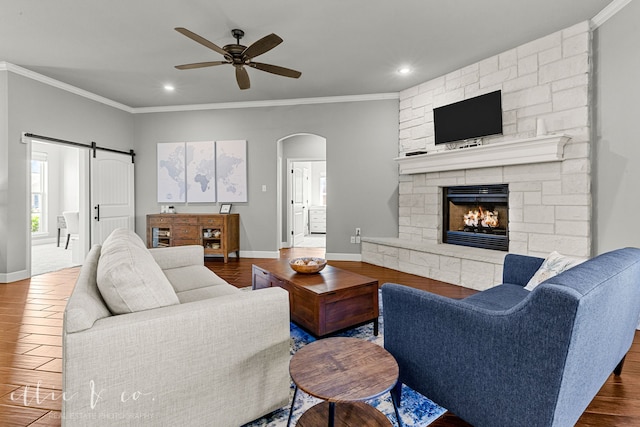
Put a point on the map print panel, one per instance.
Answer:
(231, 171)
(171, 172)
(201, 172)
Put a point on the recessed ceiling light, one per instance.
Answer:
(169, 88)
(404, 70)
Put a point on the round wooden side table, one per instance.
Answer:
(343, 372)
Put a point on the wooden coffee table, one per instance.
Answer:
(344, 372)
(325, 302)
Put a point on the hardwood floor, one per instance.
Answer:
(31, 348)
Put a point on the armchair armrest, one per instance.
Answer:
(187, 364)
(178, 256)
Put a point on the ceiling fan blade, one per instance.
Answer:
(200, 65)
(274, 69)
(242, 78)
(199, 39)
(263, 45)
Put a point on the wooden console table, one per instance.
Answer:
(322, 303)
(219, 234)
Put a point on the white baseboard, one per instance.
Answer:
(14, 277)
(343, 257)
(48, 240)
(259, 254)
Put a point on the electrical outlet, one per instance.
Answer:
(357, 231)
(357, 239)
(353, 239)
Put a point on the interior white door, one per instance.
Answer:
(306, 196)
(297, 204)
(112, 194)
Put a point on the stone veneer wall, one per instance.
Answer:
(550, 203)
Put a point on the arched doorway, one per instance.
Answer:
(302, 191)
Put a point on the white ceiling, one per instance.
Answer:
(126, 50)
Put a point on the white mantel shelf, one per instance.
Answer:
(541, 149)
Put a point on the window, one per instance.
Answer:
(38, 192)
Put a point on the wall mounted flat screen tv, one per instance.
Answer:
(471, 118)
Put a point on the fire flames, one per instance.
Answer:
(481, 217)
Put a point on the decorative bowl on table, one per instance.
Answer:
(307, 265)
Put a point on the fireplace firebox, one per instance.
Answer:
(476, 216)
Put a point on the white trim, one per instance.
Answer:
(6, 66)
(269, 103)
(611, 9)
(14, 277)
(343, 257)
(258, 254)
(548, 148)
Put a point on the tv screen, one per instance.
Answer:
(471, 118)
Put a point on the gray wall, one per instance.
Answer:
(35, 107)
(617, 144)
(362, 181)
(4, 172)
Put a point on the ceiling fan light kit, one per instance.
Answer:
(240, 56)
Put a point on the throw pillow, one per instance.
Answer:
(128, 277)
(553, 265)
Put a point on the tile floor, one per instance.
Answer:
(31, 314)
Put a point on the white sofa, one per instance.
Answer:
(153, 337)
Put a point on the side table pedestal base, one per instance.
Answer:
(347, 414)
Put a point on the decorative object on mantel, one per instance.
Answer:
(307, 265)
(541, 128)
(415, 153)
(540, 149)
(467, 143)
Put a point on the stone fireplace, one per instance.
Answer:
(476, 216)
(543, 155)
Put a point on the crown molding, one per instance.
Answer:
(269, 103)
(611, 9)
(6, 66)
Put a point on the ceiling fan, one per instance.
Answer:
(239, 56)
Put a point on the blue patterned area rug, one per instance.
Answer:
(415, 410)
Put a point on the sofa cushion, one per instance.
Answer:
(207, 292)
(553, 265)
(500, 297)
(192, 277)
(128, 277)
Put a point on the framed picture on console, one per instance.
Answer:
(225, 208)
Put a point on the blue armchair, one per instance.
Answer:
(510, 357)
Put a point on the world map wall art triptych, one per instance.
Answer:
(202, 172)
